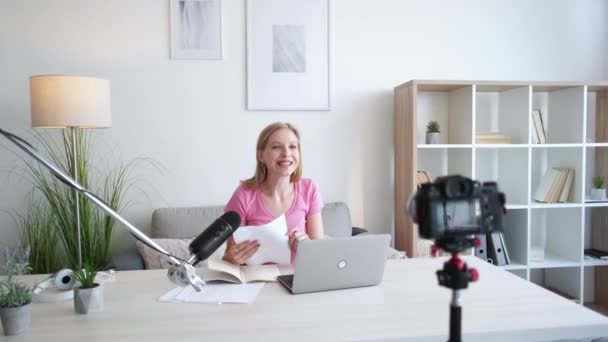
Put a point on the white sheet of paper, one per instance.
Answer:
(214, 294)
(273, 239)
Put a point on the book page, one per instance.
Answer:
(545, 185)
(260, 273)
(566, 191)
(218, 269)
(214, 294)
(274, 246)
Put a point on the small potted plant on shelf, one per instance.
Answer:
(88, 295)
(598, 192)
(432, 132)
(15, 296)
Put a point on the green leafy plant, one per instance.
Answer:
(433, 127)
(598, 182)
(86, 276)
(14, 293)
(96, 226)
(42, 237)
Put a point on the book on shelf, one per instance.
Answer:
(423, 177)
(539, 127)
(492, 138)
(497, 249)
(596, 253)
(555, 186)
(223, 270)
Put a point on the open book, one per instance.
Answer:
(222, 270)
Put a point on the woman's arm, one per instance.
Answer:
(314, 226)
(314, 231)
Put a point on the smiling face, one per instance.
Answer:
(281, 155)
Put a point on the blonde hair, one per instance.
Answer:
(261, 171)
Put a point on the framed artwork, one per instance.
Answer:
(196, 29)
(288, 55)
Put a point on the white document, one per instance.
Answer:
(214, 294)
(273, 239)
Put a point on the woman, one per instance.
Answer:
(276, 188)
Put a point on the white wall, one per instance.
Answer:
(190, 115)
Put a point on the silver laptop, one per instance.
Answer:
(338, 263)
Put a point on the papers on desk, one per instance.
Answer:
(214, 294)
(274, 246)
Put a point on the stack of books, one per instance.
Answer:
(423, 177)
(555, 186)
(492, 138)
(539, 127)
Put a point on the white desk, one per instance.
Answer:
(408, 305)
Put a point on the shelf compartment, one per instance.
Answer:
(595, 291)
(497, 165)
(564, 281)
(558, 230)
(516, 236)
(562, 111)
(452, 108)
(596, 234)
(503, 110)
(544, 159)
(442, 162)
(597, 115)
(596, 165)
(434, 146)
(522, 273)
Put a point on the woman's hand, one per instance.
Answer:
(295, 236)
(238, 253)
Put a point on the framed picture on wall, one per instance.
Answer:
(288, 54)
(196, 29)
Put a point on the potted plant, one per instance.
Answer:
(15, 296)
(432, 132)
(88, 295)
(598, 192)
(55, 205)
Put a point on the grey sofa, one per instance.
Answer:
(188, 222)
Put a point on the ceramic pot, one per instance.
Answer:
(432, 138)
(598, 194)
(16, 321)
(88, 300)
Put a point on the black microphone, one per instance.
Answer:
(214, 236)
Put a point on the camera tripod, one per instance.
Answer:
(456, 275)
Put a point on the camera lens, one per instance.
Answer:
(458, 187)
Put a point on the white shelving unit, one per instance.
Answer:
(575, 116)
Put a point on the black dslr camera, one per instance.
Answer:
(455, 207)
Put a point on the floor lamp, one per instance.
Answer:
(71, 102)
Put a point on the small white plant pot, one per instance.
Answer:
(88, 300)
(598, 194)
(432, 138)
(16, 321)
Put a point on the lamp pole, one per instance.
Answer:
(76, 195)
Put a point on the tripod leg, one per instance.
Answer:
(455, 317)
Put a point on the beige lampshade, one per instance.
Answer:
(70, 101)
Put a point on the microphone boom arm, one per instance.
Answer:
(180, 272)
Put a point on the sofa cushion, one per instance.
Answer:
(183, 223)
(336, 220)
(154, 260)
(189, 222)
(176, 247)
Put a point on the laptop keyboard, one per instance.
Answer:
(287, 279)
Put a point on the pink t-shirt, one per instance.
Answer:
(248, 204)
